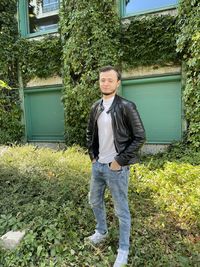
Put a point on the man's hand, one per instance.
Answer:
(115, 166)
(93, 161)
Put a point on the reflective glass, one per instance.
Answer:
(43, 16)
(49, 5)
(137, 6)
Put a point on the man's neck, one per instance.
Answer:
(107, 97)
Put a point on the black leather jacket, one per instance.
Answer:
(128, 130)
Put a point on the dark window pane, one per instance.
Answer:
(44, 16)
(136, 6)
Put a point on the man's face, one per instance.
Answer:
(108, 82)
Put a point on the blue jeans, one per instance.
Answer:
(117, 182)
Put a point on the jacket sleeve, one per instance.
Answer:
(89, 134)
(137, 132)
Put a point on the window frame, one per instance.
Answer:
(124, 15)
(23, 22)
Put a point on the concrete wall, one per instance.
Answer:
(42, 82)
(150, 71)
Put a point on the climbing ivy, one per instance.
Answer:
(39, 58)
(10, 113)
(149, 40)
(188, 45)
(8, 37)
(91, 34)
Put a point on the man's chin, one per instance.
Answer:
(108, 93)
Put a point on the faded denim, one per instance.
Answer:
(117, 182)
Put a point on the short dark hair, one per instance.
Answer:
(108, 68)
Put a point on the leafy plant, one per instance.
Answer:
(45, 193)
(39, 58)
(149, 40)
(10, 114)
(86, 48)
(188, 45)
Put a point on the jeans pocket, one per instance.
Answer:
(116, 171)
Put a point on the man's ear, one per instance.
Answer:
(118, 83)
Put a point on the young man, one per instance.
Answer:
(115, 133)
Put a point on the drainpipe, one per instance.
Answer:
(22, 104)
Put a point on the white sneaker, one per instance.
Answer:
(122, 258)
(97, 238)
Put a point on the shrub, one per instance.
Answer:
(45, 192)
(10, 115)
(86, 48)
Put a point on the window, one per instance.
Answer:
(37, 18)
(134, 7)
(49, 5)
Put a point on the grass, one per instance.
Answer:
(45, 192)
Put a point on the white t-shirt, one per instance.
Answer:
(107, 150)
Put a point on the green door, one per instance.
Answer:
(158, 100)
(44, 114)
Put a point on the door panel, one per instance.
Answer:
(159, 103)
(44, 115)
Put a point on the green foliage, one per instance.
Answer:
(10, 114)
(90, 34)
(45, 193)
(177, 152)
(175, 189)
(8, 36)
(149, 40)
(188, 45)
(35, 58)
(138, 41)
(39, 58)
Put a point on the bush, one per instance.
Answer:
(86, 48)
(175, 188)
(10, 115)
(45, 193)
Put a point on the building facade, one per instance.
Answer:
(156, 90)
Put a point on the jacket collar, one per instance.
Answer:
(113, 103)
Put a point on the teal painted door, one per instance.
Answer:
(159, 103)
(44, 114)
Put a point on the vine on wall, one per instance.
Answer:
(10, 113)
(92, 37)
(188, 45)
(8, 37)
(39, 58)
(90, 34)
(149, 40)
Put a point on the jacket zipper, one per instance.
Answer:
(95, 120)
(116, 120)
(116, 123)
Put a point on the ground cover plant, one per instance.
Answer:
(45, 192)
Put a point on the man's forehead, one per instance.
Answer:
(109, 73)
